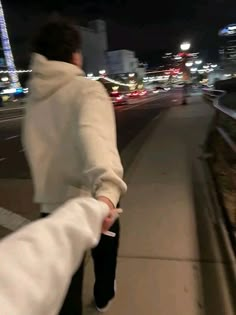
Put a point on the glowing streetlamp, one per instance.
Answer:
(102, 72)
(131, 75)
(193, 70)
(189, 64)
(5, 79)
(185, 46)
(198, 62)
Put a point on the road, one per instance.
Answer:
(131, 119)
(15, 187)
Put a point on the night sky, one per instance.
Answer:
(148, 28)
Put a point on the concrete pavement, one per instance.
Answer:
(173, 258)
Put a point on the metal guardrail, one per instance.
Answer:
(215, 96)
(211, 94)
(226, 116)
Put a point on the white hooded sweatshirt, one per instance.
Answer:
(56, 246)
(70, 136)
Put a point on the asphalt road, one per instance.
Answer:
(16, 191)
(131, 119)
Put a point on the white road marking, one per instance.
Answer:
(144, 102)
(10, 119)
(10, 109)
(11, 220)
(12, 137)
(2, 159)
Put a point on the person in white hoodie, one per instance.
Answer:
(55, 245)
(69, 137)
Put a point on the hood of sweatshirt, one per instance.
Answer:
(49, 76)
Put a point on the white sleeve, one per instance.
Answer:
(38, 261)
(103, 171)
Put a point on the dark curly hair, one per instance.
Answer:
(57, 40)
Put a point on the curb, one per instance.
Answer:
(129, 154)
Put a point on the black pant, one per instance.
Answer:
(105, 262)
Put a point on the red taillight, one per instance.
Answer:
(142, 93)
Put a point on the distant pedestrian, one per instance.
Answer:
(1, 101)
(185, 94)
(70, 142)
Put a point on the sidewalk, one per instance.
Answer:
(172, 258)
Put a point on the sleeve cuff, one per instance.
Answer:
(111, 191)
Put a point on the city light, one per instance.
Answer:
(185, 46)
(90, 75)
(115, 88)
(201, 71)
(228, 30)
(232, 28)
(7, 50)
(214, 66)
(102, 72)
(116, 82)
(9, 91)
(206, 67)
(189, 64)
(15, 71)
(178, 58)
(198, 62)
(193, 70)
(4, 79)
(131, 75)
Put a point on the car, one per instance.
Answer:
(133, 94)
(158, 89)
(143, 92)
(118, 98)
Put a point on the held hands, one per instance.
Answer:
(112, 216)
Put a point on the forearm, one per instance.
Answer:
(38, 261)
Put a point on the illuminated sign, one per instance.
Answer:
(229, 30)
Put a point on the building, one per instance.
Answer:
(95, 45)
(122, 61)
(23, 24)
(228, 48)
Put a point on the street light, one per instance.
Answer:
(193, 70)
(102, 72)
(201, 71)
(5, 79)
(185, 46)
(131, 75)
(189, 64)
(198, 62)
(178, 57)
